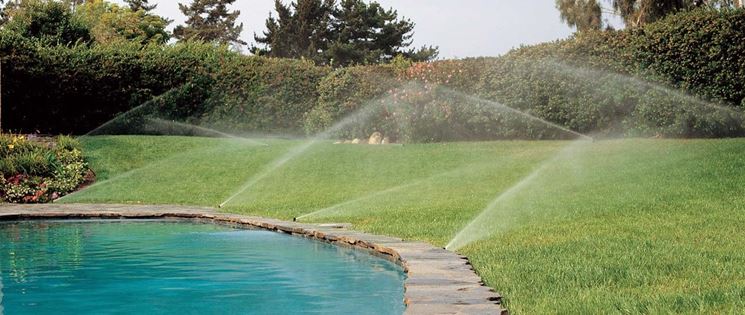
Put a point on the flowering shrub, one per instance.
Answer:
(39, 170)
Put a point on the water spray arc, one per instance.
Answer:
(273, 166)
(296, 151)
(502, 107)
(384, 192)
(158, 122)
(136, 110)
(134, 171)
(209, 131)
(364, 113)
(584, 73)
(483, 225)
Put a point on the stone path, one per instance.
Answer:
(438, 281)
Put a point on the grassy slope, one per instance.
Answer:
(621, 226)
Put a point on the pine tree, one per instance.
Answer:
(144, 5)
(301, 30)
(367, 33)
(210, 21)
(350, 32)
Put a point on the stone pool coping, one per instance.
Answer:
(438, 281)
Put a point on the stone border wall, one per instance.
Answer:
(438, 281)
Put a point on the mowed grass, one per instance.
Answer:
(624, 226)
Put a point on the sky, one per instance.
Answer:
(461, 28)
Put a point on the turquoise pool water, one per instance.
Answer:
(163, 267)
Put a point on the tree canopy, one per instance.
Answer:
(636, 13)
(137, 5)
(111, 23)
(50, 21)
(339, 34)
(582, 14)
(587, 14)
(210, 21)
(89, 22)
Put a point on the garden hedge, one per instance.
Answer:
(72, 90)
(679, 77)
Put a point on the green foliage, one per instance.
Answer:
(588, 14)
(111, 23)
(137, 5)
(420, 103)
(365, 33)
(675, 78)
(344, 92)
(636, 13)
(86, 86)
(40, 170)
(679, 77)
(96, 21)
(351, 32)
(210, 21)
(68, 143)
(300, 30)
(264, 95)
(51, 22)
(699, 52)
(582, 14)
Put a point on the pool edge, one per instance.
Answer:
(438, 281)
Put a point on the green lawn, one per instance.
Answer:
(626, 226)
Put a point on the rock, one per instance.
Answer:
(375, 138)
(385, 140)
(356, 141)
(347, 141)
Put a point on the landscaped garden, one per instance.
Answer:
(629, 225)
(41, 169)
(596, 174)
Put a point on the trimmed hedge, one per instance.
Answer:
(59, 89)
(608, 83)
(680, 77)
(265, 95)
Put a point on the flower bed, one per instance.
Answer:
(39, 169)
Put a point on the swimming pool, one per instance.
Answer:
(184, 267)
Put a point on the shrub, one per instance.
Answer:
(78, 88)
(680, 77)
(263, 95)
(35, 171)
(346, 91)
(608, 83)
